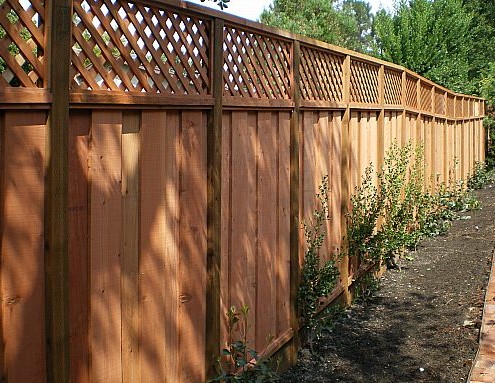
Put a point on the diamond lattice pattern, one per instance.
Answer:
(426, 97)
(393, 87)
(255, 65)
(22, 28)
(321, 75)
(364, 82)
(411, 92)
(135, 48)
(439, 102)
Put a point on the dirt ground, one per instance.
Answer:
(422, 325)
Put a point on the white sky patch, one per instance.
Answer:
(251, 9)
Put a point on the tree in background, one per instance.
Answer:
(448, 41)
(482, 70)
(482, 54)
(345, 23)
(432, 38)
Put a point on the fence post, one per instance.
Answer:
(381, 117)
(294, 204)
(214, 211)
(345, 178)
(56, 193)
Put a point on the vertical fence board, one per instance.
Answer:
(449, 148)
(22, 261)
(458, 150)
(334, 181)
(130, 245)
(309, 171)
(159, 246)
(243, 216)
(355, 169)
(266, 297)
(227, 256)
(428, 142)
(192, 245)
(388, 129)
(323, 156)
(283, 225)
(465, 149)
(372, 143)
(3, 367)
(80, 123)
(105, 247)
(438, 154)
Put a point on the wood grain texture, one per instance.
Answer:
(78, 213)
(335, 180)
(192, 245)
(129, 280)
(214, 215)
(347, 159)
(105, 247)
(159, 246)
(3, 367)
(56, 191)
(243, 213)
(225, 300)
(22, 260)
(283, 224)
(267, 211)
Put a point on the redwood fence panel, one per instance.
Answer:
(194, 145)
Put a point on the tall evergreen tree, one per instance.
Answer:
(432, 38)
(345, 23)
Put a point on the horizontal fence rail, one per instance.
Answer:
(157, 160)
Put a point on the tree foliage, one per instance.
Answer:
(346, 23)
(432, 38)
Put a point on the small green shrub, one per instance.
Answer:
(365, 287)
(317, 280)
(366, 208)
(238, 362)
(480, 176)
(396, 214)
(400, 183)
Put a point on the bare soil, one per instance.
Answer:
(422, 325)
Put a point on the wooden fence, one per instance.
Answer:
(157, 159)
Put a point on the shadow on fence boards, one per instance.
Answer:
(157, 159)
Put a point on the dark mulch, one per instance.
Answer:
(422, 325)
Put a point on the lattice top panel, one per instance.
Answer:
(411, 92)
(426, 103)
(255, 65)
(364, 82)
(439, 102)
(393, 87)
(22, 28)
(321, 75)
(124, 46)
(450, 105)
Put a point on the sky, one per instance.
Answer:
(251, 9)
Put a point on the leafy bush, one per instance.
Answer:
(238, 362)
(317, 280)
(366, 208)
(395, 215)
(480, 177)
